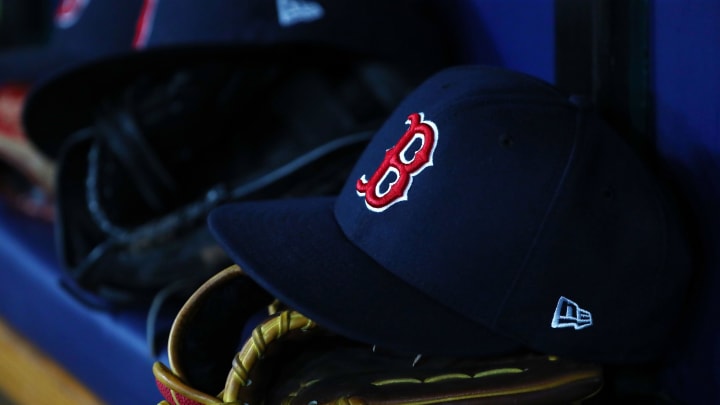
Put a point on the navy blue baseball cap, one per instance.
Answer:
(82, 30)
(490, 214)
(408, 33)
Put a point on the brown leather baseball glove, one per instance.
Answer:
(289, 359)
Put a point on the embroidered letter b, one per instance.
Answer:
(410, 155)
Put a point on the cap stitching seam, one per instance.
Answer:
(541, 230)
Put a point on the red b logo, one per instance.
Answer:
(410, 155)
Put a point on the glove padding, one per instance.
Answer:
(289, 359)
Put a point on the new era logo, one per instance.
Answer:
(569, 315)
(291, 12)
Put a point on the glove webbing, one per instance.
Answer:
(176, 392)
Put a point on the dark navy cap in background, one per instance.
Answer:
(82, 31)
(409, 33)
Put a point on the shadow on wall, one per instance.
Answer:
(692, 373)
(515, 34)
(469, 35)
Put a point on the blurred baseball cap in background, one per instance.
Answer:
(81, 30)
(37, 38)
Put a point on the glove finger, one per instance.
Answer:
(206, 331)
(176, 392)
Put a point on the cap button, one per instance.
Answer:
(581, 102)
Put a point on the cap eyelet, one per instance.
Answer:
(506, 140)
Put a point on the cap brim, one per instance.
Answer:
(295, 249)
(31, 64)
(64, 102)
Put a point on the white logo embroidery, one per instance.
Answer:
(569, 315)
(291, 12)
(69, 12)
